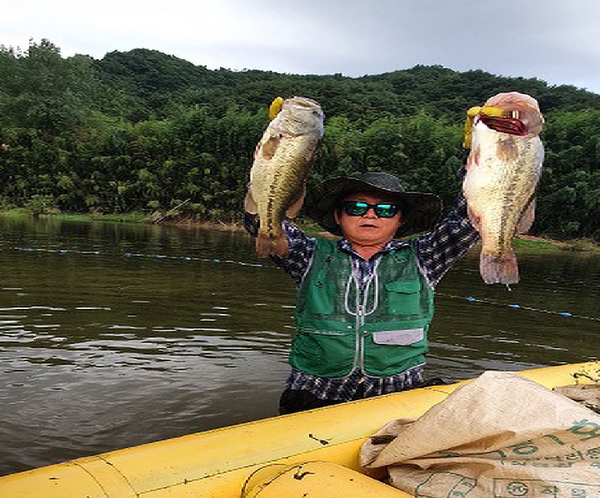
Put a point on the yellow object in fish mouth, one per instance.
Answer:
(478, 111)
(275, 107)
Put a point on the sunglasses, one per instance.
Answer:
(359, 208)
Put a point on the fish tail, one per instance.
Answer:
(266, 245)
(499, 270)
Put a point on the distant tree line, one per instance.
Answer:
(145, 131)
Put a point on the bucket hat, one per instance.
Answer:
(420, 210)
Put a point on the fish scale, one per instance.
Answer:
(511, 187)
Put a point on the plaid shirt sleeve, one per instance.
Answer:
(301, 245)
(449, 241)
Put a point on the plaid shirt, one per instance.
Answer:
(436, 251)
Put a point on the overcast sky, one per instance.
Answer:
(555, 40)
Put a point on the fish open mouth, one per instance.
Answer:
(504, 124)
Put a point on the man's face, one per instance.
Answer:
(369, 229)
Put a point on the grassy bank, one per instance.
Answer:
(540, 244)
(124, 218)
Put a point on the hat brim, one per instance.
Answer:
(422, 213)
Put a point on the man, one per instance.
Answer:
(365, 302)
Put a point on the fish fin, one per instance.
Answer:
(257, 150)
(473, 159)
(527, 218)
(474, 219)
(250, 205)
(269, 147)
(266, 246)
(294, 209)
(503, 270)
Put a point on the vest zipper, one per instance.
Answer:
(360, 320)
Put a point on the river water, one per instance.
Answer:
(114, 335)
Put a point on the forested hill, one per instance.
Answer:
(159, 82)
(143, 130)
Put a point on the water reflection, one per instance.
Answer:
(113, 335)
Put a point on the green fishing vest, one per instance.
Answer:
(382, 330)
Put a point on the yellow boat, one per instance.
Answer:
(313, 453)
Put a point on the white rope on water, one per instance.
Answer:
(518, 306)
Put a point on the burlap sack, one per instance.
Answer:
(586, 394)
(499, 436)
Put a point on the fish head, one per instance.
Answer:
(521, 114)
(300, 116)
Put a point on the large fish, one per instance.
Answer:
(282, 161)
(503, 169)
